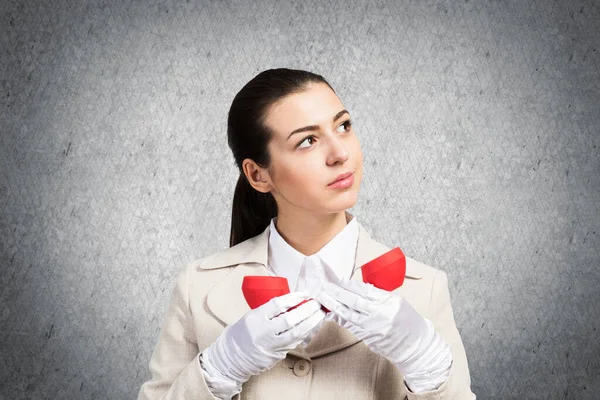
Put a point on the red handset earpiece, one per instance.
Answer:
(387, 271)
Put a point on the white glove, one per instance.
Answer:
(391, 327)
(262, 337)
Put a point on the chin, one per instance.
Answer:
(344, 201)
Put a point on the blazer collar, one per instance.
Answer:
(226, 300)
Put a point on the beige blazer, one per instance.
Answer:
(335, 365)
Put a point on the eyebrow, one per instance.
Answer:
(315, 127)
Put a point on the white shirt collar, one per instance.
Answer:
(339, 253)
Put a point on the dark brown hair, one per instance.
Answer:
(248, 137)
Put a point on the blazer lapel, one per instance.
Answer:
(226, 300)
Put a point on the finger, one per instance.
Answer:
(286, 320)
(364, 289)
(351, 299)
(340, 309)
(280, 304)
(296, 334)
(310, 323)
(327, 301)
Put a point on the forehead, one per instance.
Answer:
(314, 106)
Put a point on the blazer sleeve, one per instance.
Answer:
(458, 384)
(174, 364)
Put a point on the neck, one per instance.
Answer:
(308, 233)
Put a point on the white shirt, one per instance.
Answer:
(338, 255)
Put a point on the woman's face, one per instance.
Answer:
(304, 163)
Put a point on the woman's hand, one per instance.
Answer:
(262, 337)
(391, 327)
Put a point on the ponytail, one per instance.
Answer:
(252, 211)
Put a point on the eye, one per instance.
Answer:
(347, 124)
(303, 140)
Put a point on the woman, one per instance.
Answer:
(291, 138)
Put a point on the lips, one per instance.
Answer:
(340, 177)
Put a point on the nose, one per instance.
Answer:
(337, 151)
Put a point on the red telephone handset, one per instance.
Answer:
(385, 272)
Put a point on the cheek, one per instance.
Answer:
(297, 178)
(306, 178)
(302, 184)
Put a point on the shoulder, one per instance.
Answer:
(421, 270)
(433, 278)
(415, 270)
(197, 276)
(423, 283)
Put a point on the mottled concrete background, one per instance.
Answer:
(480, 128)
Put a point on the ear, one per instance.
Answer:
(255, 176)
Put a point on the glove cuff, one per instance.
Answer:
(430, 364)
(220, 386)
(218, 359)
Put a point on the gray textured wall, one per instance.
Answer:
(480, 129)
